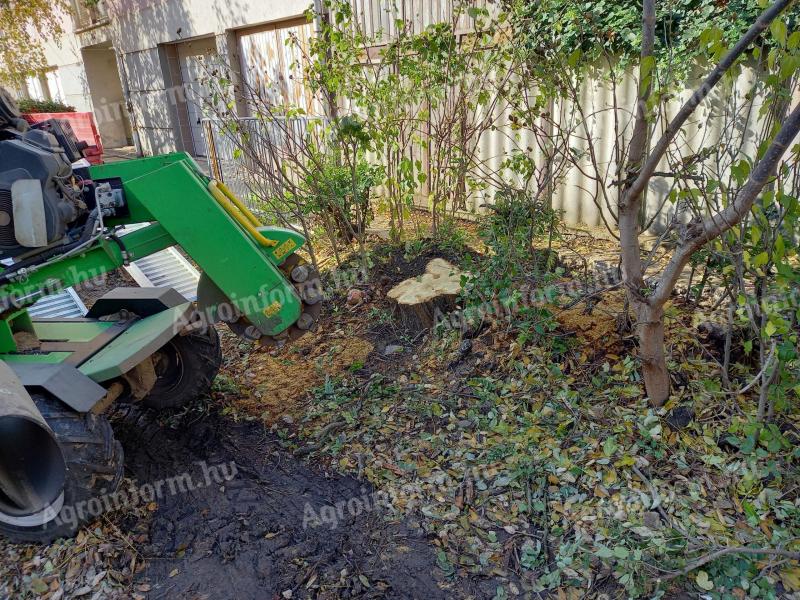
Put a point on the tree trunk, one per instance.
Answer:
(650, 328)
(422, 315)
(639, 170)
(419, 300)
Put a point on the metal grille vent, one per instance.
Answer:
(167, 268)
(64, 305)
(7, 237)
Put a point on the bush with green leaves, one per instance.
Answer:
(559, 28)
(514, 221)
(763, 276)
(340, 194)
(29, 106)
(425, 98)
(512, 265)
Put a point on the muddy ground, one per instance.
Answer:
(245, 538)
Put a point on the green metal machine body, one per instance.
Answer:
(60, 226)
(241, 263)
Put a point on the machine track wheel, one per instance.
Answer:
(186, 367)
(94, 461)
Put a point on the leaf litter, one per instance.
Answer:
(537, 472)
(529, 471)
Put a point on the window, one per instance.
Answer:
(36, 88)
(54, 86)
(46, 86)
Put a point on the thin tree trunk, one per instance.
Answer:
(689, 285)
(649, 304)
(701, 232)
(650, 326)
(649, 323)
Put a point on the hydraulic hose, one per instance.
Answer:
(86, 235)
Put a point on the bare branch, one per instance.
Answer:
(700, 233)
(761, 24)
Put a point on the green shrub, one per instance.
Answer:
(450, 236)
(343, 194)
(553, 28)
(43, 106)
(510, 227)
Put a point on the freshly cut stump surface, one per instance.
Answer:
(416, 301)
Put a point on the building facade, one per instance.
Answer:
(83, 73)
(141, 65)
(164, 46)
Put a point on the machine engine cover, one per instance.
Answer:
(34, 155)
(10, 117)
(65, 136)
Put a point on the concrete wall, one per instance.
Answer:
(65, 55)
(100, 64)
(141, 32)
(86, 67)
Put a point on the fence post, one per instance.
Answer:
(213, 159)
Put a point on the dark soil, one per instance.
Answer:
(251, 536)
(245, 538)
(394, 265)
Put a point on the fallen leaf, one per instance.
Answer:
(39, 586)
(791, 578)
(702, 580)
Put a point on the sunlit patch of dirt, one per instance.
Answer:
(277, 383)
(596, 326)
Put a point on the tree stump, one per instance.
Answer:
(417, 301)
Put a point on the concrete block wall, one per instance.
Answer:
(150, 101)
(144, 34)
(65, 55)
(100, 64)
(176, 96)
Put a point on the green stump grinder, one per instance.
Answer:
(60, 222)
